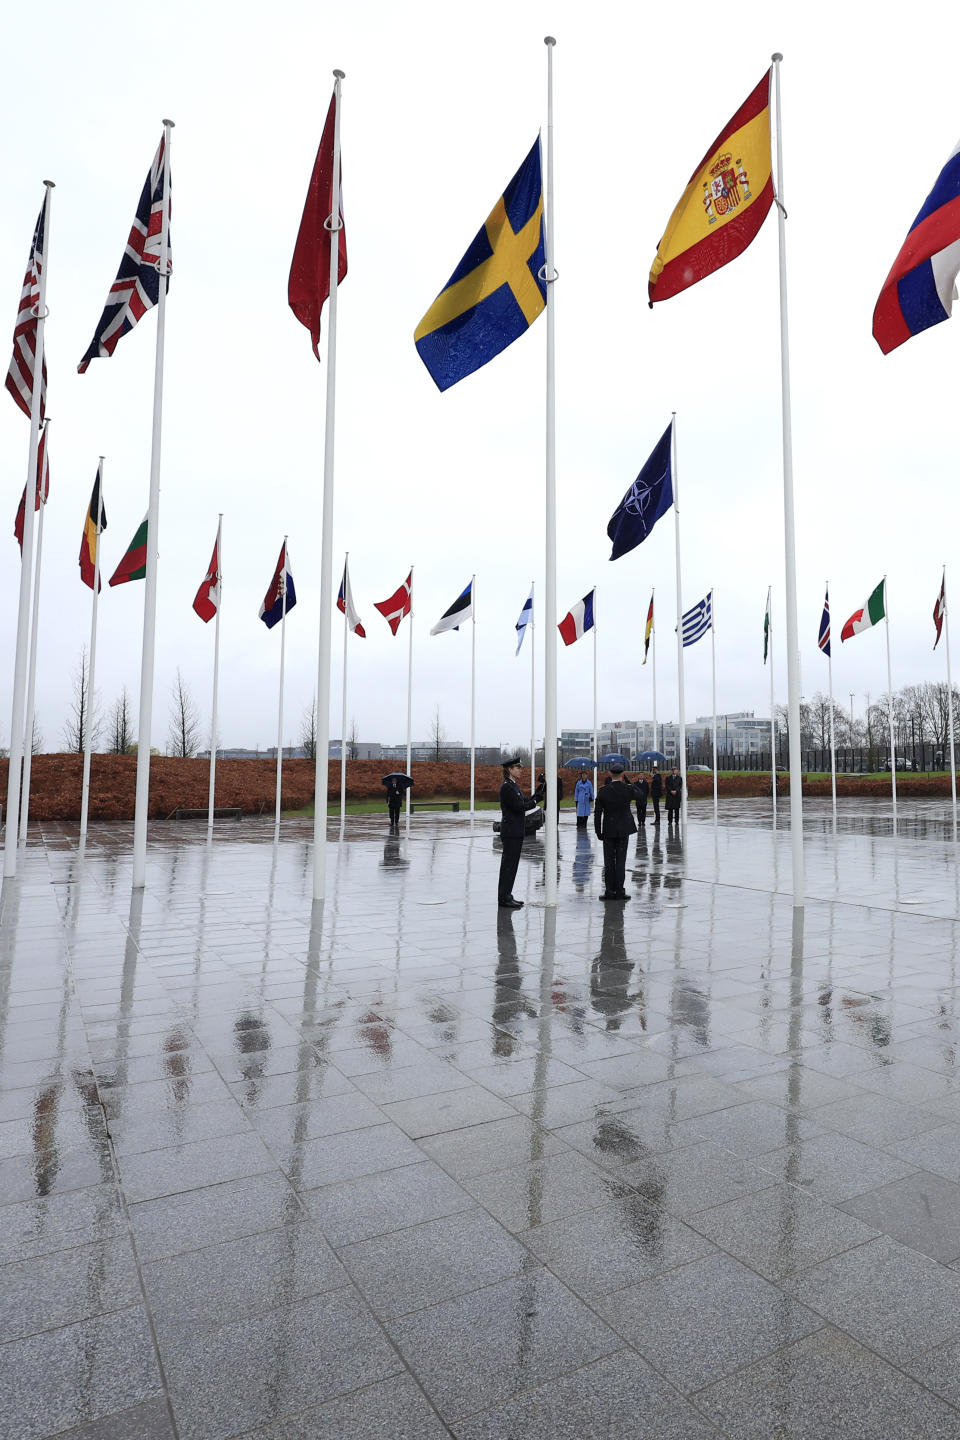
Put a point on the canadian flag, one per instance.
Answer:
(207, 599)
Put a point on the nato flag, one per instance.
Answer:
(649, 497)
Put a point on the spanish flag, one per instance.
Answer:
(724, 204)
(133, 566)
(497, 290)
(88, 545)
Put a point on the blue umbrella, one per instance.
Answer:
(613, 760)
(580, 763)
(651, 757)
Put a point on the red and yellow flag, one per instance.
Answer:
(648, 632)
(724, 204)
(91, 530)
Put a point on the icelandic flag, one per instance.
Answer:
(579, 620)
(698, 620)
(281, 597)
(346, 606)
(919, 291)
(459, 611)
(823, 639)
(526, 618)
(649, 497)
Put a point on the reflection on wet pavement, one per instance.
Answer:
(407, 1164)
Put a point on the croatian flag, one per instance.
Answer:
(346, 606)
(940, 609)
(281, 597)
(579, 620)
(823, 639)
(919, 291)
(526, 618)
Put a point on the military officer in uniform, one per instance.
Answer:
(513, 809)
(614, 823)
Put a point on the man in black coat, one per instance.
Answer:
(642, 787)
(513, 810)
(394, 801)
(614, 823)
(674, 790)
(656, 791)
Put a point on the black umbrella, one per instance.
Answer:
(652, 757)
(402, 780)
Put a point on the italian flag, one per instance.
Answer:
(871, 613)
(133, 566)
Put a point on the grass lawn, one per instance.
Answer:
(378, 807)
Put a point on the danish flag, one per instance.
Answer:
(137, 286)
(23, 361)
(398, 605)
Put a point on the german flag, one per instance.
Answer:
(133, 566)
(88, 545)
(724, 204)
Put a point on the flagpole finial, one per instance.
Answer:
(549, 40)
(172, 124)
(50, 184)
(776, 57)
(339, 75)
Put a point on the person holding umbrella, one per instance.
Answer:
(396, 784)
(583, 795)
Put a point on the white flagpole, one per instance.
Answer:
(680, 698)
(713, 678)
(773, 713)
(953, 762)
(12, 813)
(322, 762)
(653, 642)
(32, 664)
(216, 678)
(473, 691)
(595, 751)
(789, 536)
(533, 693)
(550, 526)
(893, 746)
(343, 710)
(92, 671)
(283, 647)
(409, 700)
(833, 737)
(153, 525)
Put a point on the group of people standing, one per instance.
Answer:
(613, 821)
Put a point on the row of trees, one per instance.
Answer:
(115, 732)
(921, 716)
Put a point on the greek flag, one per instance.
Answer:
(698, 620)
(526, 615)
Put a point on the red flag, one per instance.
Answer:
(309, 283)
(43, 489)
(394, 609)
(207, 599)
(940, 609)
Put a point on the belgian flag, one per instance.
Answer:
(91, 529)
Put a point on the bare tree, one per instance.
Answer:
(354, 739)
(183, 737)
(308, 730)
(120, 725)
(83, 717)
(437, 732)
(36, 739)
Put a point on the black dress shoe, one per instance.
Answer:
(510, 904)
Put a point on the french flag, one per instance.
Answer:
(919, 290)
(578, 620)
(281, 597)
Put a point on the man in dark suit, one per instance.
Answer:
(674, 793)
(614, 823)
(513, 809)
(642, 787)
(656, 793)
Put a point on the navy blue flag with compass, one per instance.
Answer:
(649, 497)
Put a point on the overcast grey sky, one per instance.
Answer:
(440, 104)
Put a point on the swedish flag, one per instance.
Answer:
(497, 290)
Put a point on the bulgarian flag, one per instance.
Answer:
(870, 613)
(133, 566)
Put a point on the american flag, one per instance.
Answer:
(137, 286)
(43, 489)
(23, 361)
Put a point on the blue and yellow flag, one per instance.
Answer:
(497, 290)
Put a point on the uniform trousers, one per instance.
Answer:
(509, 864)
(395, 812)
(615, 863)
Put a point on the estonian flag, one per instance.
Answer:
(460, 610)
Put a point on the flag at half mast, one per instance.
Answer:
(871, 612)
(724, 204)
(133, 566)
(497, 290)
(137, 286)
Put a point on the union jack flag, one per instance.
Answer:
(137, 286)
(43, 489)
(23, 362)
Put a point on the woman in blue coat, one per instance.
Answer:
(583, 795)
